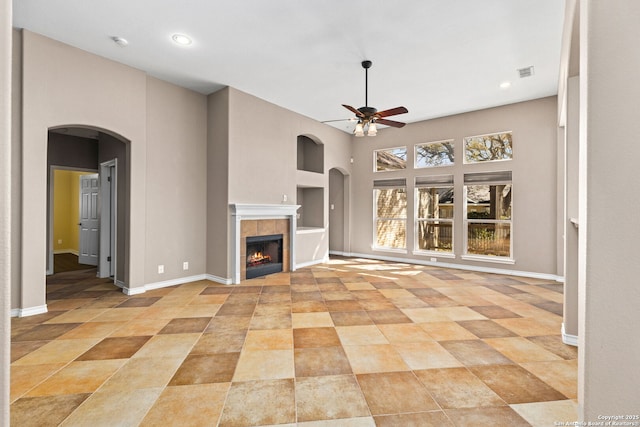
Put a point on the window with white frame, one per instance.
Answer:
(390, 159)
(487, 216)
(488, 148)
(434, 213)
(390, 214)
(434, 154)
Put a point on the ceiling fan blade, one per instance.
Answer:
(353, 110)
(391, 123)
(392, 112)
(351, 119)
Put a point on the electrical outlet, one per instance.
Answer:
(59, 241)
(185, 265)
(160, 269)
(434, 259)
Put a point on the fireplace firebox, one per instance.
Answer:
(264, 255)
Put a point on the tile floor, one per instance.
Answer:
(350, 343)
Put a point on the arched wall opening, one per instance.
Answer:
(104, 152)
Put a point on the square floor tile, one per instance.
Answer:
(426, 355)
(374, 358)
(275, 339)
(351, 318)
(515, 384)
(385, 317)
(458, 388)
(395, 393)
(561, 375)
(45, 410)
(329, 397)
(494, 312)
(264, 365)
(418, 419)
(321, 361)
(361, 335)
(315, 337)
(311, 320)
(115, 348)
(521, 349)
(271, 401)
(199, 404)
(77, 378)
(494, 417)
(447, 331)
(486, 329)
(206, 368)
(186, 325)
(404, 333)
(475, 352)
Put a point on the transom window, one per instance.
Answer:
(433, 154)
(488, 148)
(390, 159)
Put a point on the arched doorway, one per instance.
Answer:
(105, 153)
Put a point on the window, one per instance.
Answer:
(488, 214)
(432, 154)
(390, 159)
(434, 217)
(390, 213)
(488, 148)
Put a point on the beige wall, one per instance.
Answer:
(176, 181)
(5, 205)
(609, 295)
(534, 130)
(262, 165)
(16, 167)
(218, 185)
(165, 127)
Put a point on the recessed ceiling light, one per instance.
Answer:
(120, 41)
(505, 85)
(181, 39)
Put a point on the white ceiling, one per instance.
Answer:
(434, 57)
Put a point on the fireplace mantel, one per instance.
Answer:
(245, 211)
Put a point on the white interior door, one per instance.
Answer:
(89, 220)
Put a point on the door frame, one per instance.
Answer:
(53, 168)
(108, 197)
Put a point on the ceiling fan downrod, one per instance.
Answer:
(366, 65)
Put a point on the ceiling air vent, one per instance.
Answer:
(525, 72)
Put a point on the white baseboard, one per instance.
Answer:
(481, 269)
(164, 284)
(310, 263)
(569, 339)
(29, 311)
(218, 279)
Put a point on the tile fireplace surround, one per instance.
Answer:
(261, 220)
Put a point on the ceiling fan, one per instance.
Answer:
(368, 116)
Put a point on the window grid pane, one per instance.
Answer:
(435, 235)
(434, 202)
(489, 238)
(391, 233)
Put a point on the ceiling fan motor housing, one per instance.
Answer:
(368, 111)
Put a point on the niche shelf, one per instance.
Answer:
(311, 211)
(310, 155)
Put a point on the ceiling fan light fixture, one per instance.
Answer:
(359, 131)
(372, 131)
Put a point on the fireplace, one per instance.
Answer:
(264, 255)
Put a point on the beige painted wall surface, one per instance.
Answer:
(16, 167)
(61, 86)
(218, 185)
(5, 206)
(263, 159)
(534, 127)
(176, 181)
(609, 270)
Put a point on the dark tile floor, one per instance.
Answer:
(349, 343)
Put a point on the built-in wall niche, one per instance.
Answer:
(310, 155)
(311, 211)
